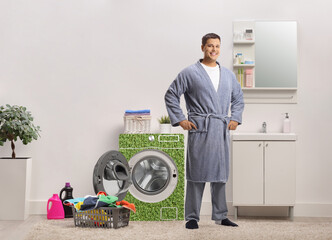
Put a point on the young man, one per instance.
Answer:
(209, 90)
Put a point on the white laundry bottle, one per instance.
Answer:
(287, 124)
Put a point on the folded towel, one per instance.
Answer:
(138, 111)
(137, 114)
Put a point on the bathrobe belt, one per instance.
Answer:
(207, 117)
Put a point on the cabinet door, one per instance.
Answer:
(280, 158)
(247, 173)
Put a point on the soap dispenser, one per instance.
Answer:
(287, 124)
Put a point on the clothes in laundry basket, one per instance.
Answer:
(94, 202)
(76, 202)
(108, 199)
(127, 205)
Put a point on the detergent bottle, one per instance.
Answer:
(55, 208)
(68, 195)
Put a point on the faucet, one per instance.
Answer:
(264, 127)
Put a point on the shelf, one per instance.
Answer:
(269, 95)
(244, 136)
(243, 65)
(270, 89)
(244, 42)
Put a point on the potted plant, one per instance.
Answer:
(15, 173)
(165, 124)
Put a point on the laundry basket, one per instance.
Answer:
(105, 217)
(137, 123)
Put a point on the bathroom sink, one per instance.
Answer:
(251, 136)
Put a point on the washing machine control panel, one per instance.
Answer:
(151, 138)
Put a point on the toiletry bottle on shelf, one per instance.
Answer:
(239, 58)
(249, 78)
(248, 34)
(240, 76)
(237, 36)
(235, 60)
(287, 124)
(242, 34)
(68, 195)
(55, 208)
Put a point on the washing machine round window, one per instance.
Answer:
(150, 175)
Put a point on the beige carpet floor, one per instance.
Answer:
(248, 229)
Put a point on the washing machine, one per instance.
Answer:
(148, 170)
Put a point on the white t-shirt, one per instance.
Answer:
(214, 74)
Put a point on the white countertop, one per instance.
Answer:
(251, 136)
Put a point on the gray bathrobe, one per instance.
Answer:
(208, 109)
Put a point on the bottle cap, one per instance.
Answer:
(67, 184)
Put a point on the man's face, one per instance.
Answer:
(211, 49)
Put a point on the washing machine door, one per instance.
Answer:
(154, 175)
(112, 174)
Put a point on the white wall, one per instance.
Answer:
(78, 65)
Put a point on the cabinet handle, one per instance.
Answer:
(259, 145)
(267, 145)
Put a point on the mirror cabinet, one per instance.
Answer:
(265, 60)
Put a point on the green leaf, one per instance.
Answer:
(16, 122)
(164, 120)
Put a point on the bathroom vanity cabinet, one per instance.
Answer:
(263, 172)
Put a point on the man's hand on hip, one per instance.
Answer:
(232, 125)
(187, 125)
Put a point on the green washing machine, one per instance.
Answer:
(156, 164)
(148, 170)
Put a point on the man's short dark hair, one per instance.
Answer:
(208, 36)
